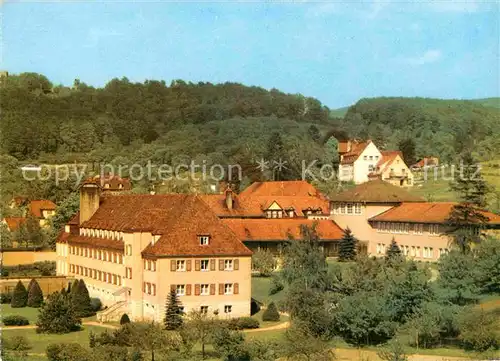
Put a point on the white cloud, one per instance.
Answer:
(430, 56)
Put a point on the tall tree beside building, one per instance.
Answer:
(35, 294)
(173, 313)
(347, 247)
(393, 252)
(81, 299)
(407, 147)
(466, 219)
(20, 296)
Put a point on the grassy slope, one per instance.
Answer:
(488, 102)
(340, 112)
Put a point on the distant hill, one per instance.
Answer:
(488, 102)
(339, 113)
(439, 127)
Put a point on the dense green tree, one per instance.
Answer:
(57, 315)
(300, 345)
(394, 351)
(230, 345)
(314, 133)
(5, 236)
(201, 327)
(487, 266)
(124, 319)
(407, 147)
(19, 296)
(456, 281)
(65, 210)
(348, 246)
(173, 314)
(80, 299)
(35, 294)
(479, 330)
(393, 252)
(263, 262)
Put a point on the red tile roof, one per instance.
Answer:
(75, 220)
(281, 188)
(194, 219)
(111, 182)
(178, 218)
(14, 222)
(281, 229)
(425, 212)
(37, 206)
(254, 206)
(356, 149)
(96, 242)
(376, 191)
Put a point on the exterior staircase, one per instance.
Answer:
(113, 312)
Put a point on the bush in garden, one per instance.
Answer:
(35, 294)
(20, 296)
(5, 298)
(15, 320)
(95, 304)
(271, 313)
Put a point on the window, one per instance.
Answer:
(342, 208)
(228, 308)
(129, 250)
(153, 266)
(204, 240)
(365, 157)
(419, 228)
(371, 157)
(349, 208)
(204, 309)
(376, 157)
(204, 289)
(357, 208)
(417, 252)
(204, 265)
(412, 251)
(180, 290)
(181, 265)
(228, 265)
(228, 288)
(128, 273)
(434, 229)
(371, 168)
(153, 289)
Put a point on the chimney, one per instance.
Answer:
(90, 194)
(229, 198)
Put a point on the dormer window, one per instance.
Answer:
(120, 186)
(106, 185)
(204, 240)
(290, 213)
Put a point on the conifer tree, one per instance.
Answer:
(393, 252)
(348, 246)
(124, 319)
(466, 219)
(20, 296)
(81, 300)
(173, 313)
(57, 315)
(271, 313)
(35, 294)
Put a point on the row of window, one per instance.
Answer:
(347, 208)
(371, 157)
(102, 233)
(206, 289)
(98, 254)
(96, 274)
(407, 228)
(204, 265)
(149, 265)
(414, 251)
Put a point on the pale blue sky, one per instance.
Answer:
(338, 52)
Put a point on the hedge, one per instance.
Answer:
(242, 323)
(45, 268)
(15, 320)
(6, 298)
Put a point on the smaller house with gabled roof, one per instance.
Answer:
(361, 161)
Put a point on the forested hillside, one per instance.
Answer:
(444, 128)
(39, 118)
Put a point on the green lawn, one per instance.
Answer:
(39, 341)
(260, 291)
(258, 316)
(30, 313)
